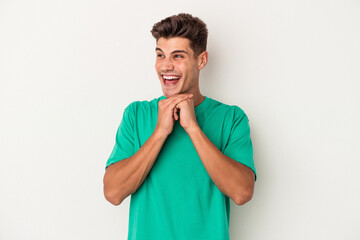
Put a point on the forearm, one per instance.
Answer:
(126, 176)
(233, 179)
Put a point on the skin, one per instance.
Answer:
(174, 56)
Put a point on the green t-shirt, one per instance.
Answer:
(178, 200)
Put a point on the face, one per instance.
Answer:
(176, 66)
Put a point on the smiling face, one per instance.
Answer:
(177, 67)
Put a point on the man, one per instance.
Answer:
(183, 155)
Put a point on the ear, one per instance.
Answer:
(202, 60)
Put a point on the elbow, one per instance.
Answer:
(113, 198)
(244, 197)
(116, 195)
(112, 193)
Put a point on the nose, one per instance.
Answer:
(167, 65)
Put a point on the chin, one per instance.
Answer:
(168, 94)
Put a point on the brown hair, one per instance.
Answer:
(183, 25)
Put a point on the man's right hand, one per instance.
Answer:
(167, 112)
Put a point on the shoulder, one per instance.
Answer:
(227, 110)
(142, 106)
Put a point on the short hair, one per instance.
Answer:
(186, 26)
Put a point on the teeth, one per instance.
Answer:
(170, 77)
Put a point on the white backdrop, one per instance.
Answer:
(68, 69)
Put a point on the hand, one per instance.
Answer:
(167, 112)
(187, 114)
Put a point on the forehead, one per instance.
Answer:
(173, 44)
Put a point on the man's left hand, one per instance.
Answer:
(187, 114)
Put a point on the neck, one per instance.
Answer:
(198, 98)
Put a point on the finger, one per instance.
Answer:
(177, 100)
(176, 117)
(180, 95)
(174, 100)
(183, 103)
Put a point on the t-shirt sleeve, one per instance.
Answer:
(124, 141)
(239, 145)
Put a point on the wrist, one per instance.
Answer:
(193, 130)
(160, 134)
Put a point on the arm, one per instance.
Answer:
(233, 179)
(124, 177)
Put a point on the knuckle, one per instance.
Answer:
(161, 103)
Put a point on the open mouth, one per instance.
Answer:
(170, 80)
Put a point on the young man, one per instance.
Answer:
(181, 156)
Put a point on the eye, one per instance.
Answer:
(178, 56)
(159, 55)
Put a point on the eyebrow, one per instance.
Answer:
(176, 51)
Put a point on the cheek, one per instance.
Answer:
(183, 69)
(157, 65)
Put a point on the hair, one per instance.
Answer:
(186, 26)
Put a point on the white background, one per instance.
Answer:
(68, 69)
